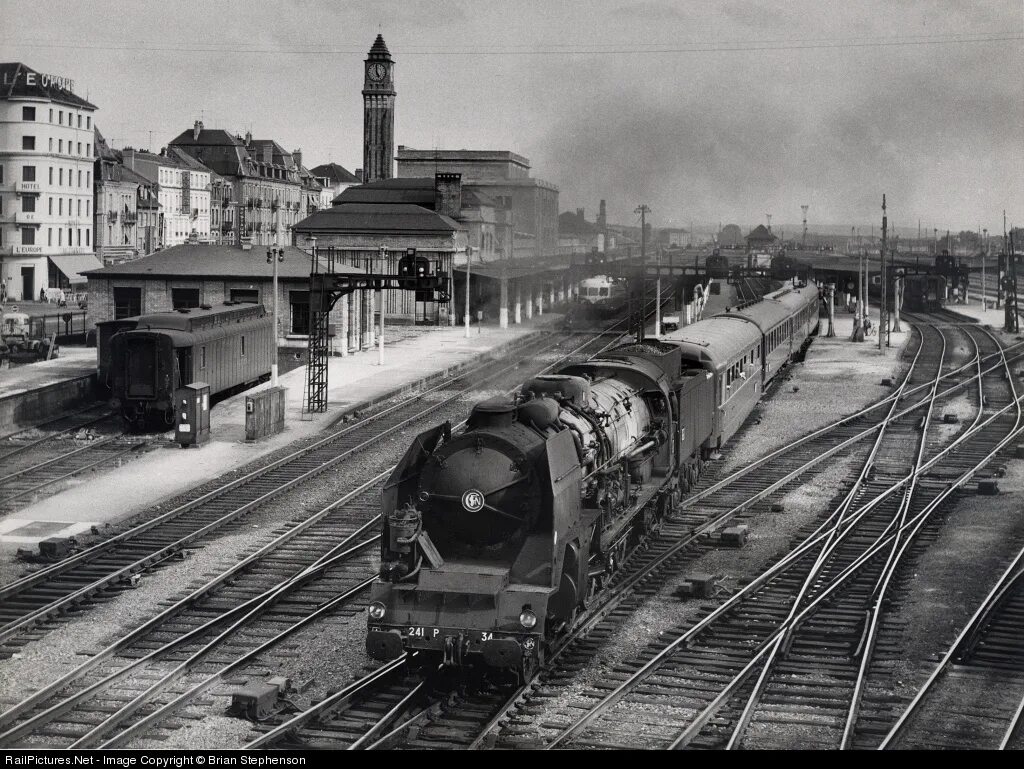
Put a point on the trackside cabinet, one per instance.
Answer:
(192, 414)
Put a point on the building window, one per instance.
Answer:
(28, 113)
(60, 176)
(79, 207)
(88, 178)
(243, 345)
(28, 173)
(87, 207)
(184, 298)
(88, 122)
(69, 229)
(88, 149)
(28, 236)
(51, 148)
(28, 203)
(79, 121)
(249, 295)
(51, 115)
(87, 238)
(60, 206)
(28, 142)
(49, 236)
(60, 237)
(60, 145)
(127, 302)
(202, 357)
(51, 170)
(79, 231)
(79, 146)
(79, 178)
(299, 303)
(60, 116)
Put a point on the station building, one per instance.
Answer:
(193, 275)
(46, 184)
(527, 208)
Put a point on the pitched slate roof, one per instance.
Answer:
(210, 261)
(14, 84)
(378, 219)
(335, 174)
(414, 190)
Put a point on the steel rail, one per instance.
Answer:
(1011, 573)
(340, 699)
(914, 527)
(881, 589)
(31, 445)
(193, 598)
(10, 629)
(260, 601)
(693, 499)
(829, 548)
(651, 665)
(115, 718)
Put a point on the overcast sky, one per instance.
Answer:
(706, 111)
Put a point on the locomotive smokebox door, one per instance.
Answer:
(192, 414)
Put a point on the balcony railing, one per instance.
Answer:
(111, 216)
(227, 227)
(129, 218)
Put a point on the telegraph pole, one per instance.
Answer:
(803, 243)
(984, 258)
(643, 209)
(882, 306)
(469, 258)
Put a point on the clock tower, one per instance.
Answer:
(378, 113)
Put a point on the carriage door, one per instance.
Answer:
(183, 359)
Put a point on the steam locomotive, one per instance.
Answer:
(495, 539)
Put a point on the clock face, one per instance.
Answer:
(377, 72)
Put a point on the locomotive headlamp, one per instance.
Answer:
(377, 610)
(527, 618)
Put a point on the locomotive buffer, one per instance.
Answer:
(326, 286)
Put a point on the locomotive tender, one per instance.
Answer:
(495, 539)
(146, 359)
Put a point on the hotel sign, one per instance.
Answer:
(40, 80)
(26, 250)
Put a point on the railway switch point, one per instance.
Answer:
(988, 488)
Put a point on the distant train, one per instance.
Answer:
(924, 293)
(144, 360)
(603, 296)
(496, 539)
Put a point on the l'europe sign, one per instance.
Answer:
(39, 79)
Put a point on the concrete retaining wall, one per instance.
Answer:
(24, 409)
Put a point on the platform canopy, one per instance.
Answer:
(73, 265)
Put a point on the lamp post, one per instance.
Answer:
(984, 258)
(469, 258)
(274, 256)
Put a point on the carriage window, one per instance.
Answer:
(202, 357)
(604, 291)
(243, 345)
(245, 295)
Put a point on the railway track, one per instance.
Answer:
(974, 699)
(42, 466)
(69, 583)
(709, 684)
(247, 612)
(454, 722)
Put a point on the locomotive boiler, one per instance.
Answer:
(495, 539)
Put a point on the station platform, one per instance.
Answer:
(33, 392)
(413, 356)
